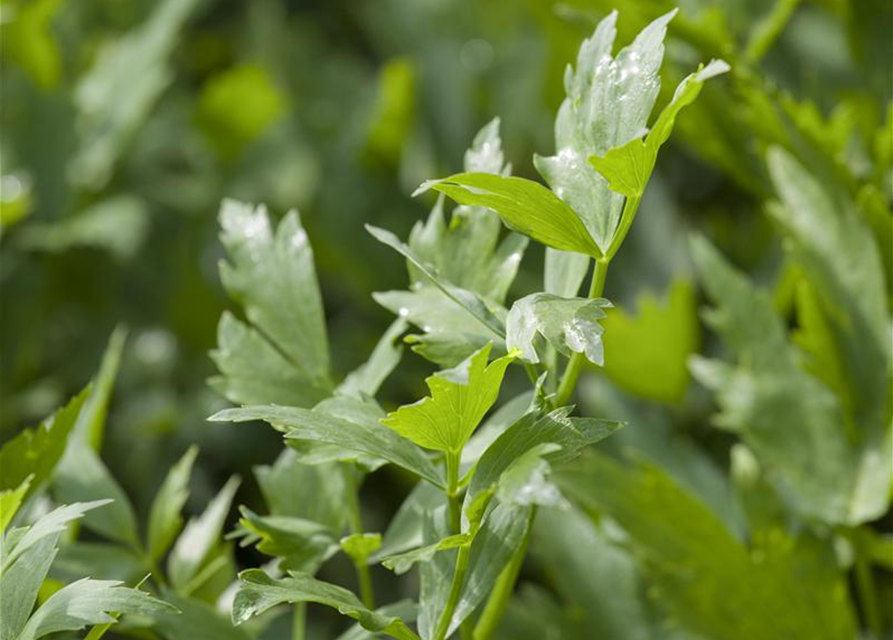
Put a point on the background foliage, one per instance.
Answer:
(125, 123)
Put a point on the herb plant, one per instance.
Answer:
(529, 510)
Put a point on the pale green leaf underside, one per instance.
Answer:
(466, 299)
(609, 100)
(272, 275)
(570, 325)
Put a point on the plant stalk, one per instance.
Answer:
(504, 588)
(355, 523)
(452, 469)
(868, 596)
(298, 621)
(443, 625)
(575, 364)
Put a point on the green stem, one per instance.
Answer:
(630, 207)
(355, 523)
(452, 469)
(767, 30)
(443, 625)
(575, 364)
(298, 621)
(504, 588)
(868, 596)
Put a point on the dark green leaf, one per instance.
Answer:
(306, 424)
(259, 592)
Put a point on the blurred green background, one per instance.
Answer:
(125, 122)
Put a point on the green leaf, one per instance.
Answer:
(607, 592)
(284, 355)
(82, 476)
(529, 434)
(20, 584)
(468, 259)
(841, 260)
(117, 93)
(647, 354)
(302, 544)
(608, 103)
(312, 492)
(689, 556)
(367, 378)
(467, 251)
(459, 399)
(450, 335)
(571, 325)
(165, 519)
(793, 424)
(30, 42)
(402, 562)
(493, 546)
(525, 481)
(405, 530)
(628, 167)
(17, 541)
(100, 560)
(88, 602)
(117, 224)
(10, 501)
(406, 610)
(236, 106)
(468, 300)
(361, 546)
(35, 452)
(195, 545)
(90, 425)
(196, 620)
(524, 206)
(306, 424)
(564, 272)
(258, 592)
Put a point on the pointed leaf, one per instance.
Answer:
(628, 167)
(258, 592)
(35, 452)
(471, 302)
(306, 424)
(524, 206)
(273, 276)
(608, 103)
(198, 540)
(165, 519)
(83, 476)
(459, 399)
(89, 602)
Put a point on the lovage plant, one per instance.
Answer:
(466, 526)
